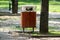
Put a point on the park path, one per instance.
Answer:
(15, 20)
(10, 21)
(6, 36)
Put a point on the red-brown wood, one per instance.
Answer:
(28, 19)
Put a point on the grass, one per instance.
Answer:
(54, 2)
(51, 32)
(2, 19)
(54, 6)
(29, 29)
(48, 34)
(56, 33)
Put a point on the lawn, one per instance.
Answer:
(54, 6)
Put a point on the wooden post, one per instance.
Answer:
(14, 6)
(44, 17)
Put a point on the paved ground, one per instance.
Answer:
(6, 36)
(12, 21)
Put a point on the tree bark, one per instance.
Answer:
(44, 16)
(14, 6)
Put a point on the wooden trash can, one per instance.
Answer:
(28, 19)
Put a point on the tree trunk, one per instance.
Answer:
(14, 6)
(44, 17)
